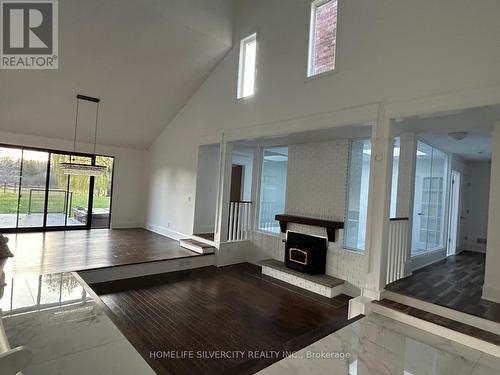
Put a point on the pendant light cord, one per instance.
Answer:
(95, 130)
(76, 124)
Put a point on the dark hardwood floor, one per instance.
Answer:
(216, 312)
(52, 252)
(455, 282)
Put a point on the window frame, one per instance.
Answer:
(311, 48)
(241, 66)
(257, 228)
(346, 215)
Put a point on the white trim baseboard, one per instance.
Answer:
(166, 232)
(491, 293)
(126, 225)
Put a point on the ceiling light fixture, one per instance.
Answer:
(78, 169)
(458, 136)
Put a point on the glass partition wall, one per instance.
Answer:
(272, 187)
(36, 195)
(429, 211)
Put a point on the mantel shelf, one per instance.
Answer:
(330, 226)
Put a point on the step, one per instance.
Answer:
(325, 285)
(197, 246)
(459, 316)
(128, 271)
(479, 339)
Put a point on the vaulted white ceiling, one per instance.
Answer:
(144, 59)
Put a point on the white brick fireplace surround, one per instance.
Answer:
(316, 187)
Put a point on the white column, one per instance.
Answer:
(491, 287)
(378, 206)
(226, 160)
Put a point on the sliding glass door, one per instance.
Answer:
(35, 194)
(68, 202)
(431, 186)
(78, 196)
(10, 179)
(58, 198)
(32, 191)
(101, 200)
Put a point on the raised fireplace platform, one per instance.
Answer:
(327, 286)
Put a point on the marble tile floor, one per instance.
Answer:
(66, 331)
(376, 345)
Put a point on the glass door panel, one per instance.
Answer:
(421, 201)
(32, 193)
(437, 200)
(35, 193)
(102, 194)
(10, 175)
(58, 198)
(430, 197)
(78, 195)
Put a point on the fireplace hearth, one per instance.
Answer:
(305, 253)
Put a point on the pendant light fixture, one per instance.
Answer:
(78, 169)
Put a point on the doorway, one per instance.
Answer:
(236, 183)
(454, 205)
(429, 211)
(207, 180)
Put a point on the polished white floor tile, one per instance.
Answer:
(65, 330)
(376, 345)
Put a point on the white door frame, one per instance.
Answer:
(454, 213)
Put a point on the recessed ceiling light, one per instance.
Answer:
(458, 136)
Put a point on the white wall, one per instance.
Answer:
(129, 183)
(477, 219)
(388, 51)
(491, 289)
(206, 189)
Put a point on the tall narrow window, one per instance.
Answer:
(272, 187)
(357, 200)
(246, 76)
(322, 37)
(395, 176)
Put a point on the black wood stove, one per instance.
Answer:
(305, 253)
